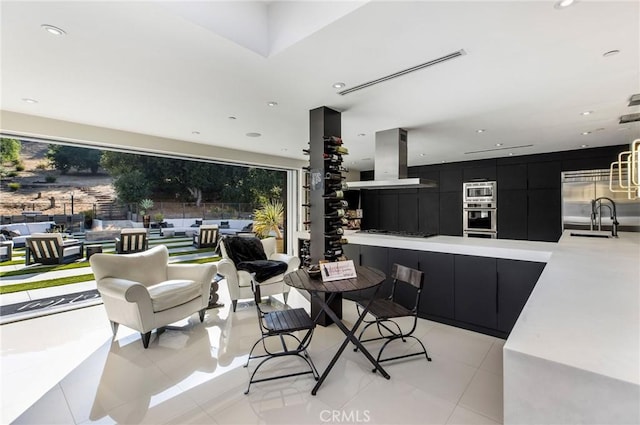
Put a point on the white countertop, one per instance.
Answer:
(496, 248)
(585, 309)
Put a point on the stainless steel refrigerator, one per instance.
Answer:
(579, 188)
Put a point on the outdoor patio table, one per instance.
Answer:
(367, 277)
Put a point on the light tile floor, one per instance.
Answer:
(66, 369)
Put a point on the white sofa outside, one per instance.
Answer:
(26, 229)
(188, 226)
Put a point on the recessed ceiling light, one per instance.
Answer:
(610, 53)
(29, 100)
(232, 117)
(585, 133)
(510, 153)
(423, 154)
(353, 163)
(443, 161)
(586, 113)
(195, 132)
(480, 130)
(53, 30)
(272, 103)
(584, 146)
(564, 3)
(254, 134)
(338, 85)
(283, 149)
(499, 144)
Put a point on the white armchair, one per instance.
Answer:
(144, 292)
(239, 281)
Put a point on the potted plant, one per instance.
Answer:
(159, 218)
(145, 206)
(269, 217)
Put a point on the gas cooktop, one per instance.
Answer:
(398, 233)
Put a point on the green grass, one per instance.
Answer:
(44, 269)
(7, 289)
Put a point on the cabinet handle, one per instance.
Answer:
(497, 292)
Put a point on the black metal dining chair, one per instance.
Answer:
(384, 310)
(282, 324)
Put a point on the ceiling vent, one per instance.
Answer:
(403, 72)
(499, 149)
(634, 100)
(629, 118)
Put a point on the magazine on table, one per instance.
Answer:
(338, 270)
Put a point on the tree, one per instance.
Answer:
(9, 150)
(64, 158)
(132, 187)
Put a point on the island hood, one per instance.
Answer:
(390, 164)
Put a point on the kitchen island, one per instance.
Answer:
(573, 355)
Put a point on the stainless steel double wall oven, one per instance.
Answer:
(479, 209)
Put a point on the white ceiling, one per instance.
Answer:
(173, 68)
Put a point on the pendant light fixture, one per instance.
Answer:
(624, 174)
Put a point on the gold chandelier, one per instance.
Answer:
(624, 174)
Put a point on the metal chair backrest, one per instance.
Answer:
(413, 277)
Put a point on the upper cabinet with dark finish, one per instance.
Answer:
(512, 177)
(544, 175)
(451, 180)
(487, 172)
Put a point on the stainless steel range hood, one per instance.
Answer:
(390, 164)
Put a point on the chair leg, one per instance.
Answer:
(114, 327)
(234, 304)
(201, 314)
(285, 295)
(145, 339)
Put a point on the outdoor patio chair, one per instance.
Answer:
(132, 240)
(6, 249)
(387, 309)
(51, 248)
(206, 236)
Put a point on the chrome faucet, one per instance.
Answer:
(596, 212)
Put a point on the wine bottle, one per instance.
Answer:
(333, 176)
(306, 151)
(333, 140)
(335, 213)
(334, 194)
(334, 232)
(306, 205)
(335, 185)
(332, 157)
(333, 252)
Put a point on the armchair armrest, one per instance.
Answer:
(196, 272)
(227, 269)
(126, 290)
(293, 263)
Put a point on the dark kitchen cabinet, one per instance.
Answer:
(451, 213)
(428, 212)
(479, 173)
(388, 210)
(408, 258)
(438, 295)
(512, 214)
(451, 180)
(376, 257)
(512, 177)
(475, 291)
(352, 252)
(544, 175)
(408, 210)
(544, 217)
(369, 201)
(516, 279)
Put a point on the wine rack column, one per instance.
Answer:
(324, 123)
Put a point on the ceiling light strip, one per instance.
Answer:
(403, 72)
(499, 149)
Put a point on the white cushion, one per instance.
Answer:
(72, 250)
(171, 293)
